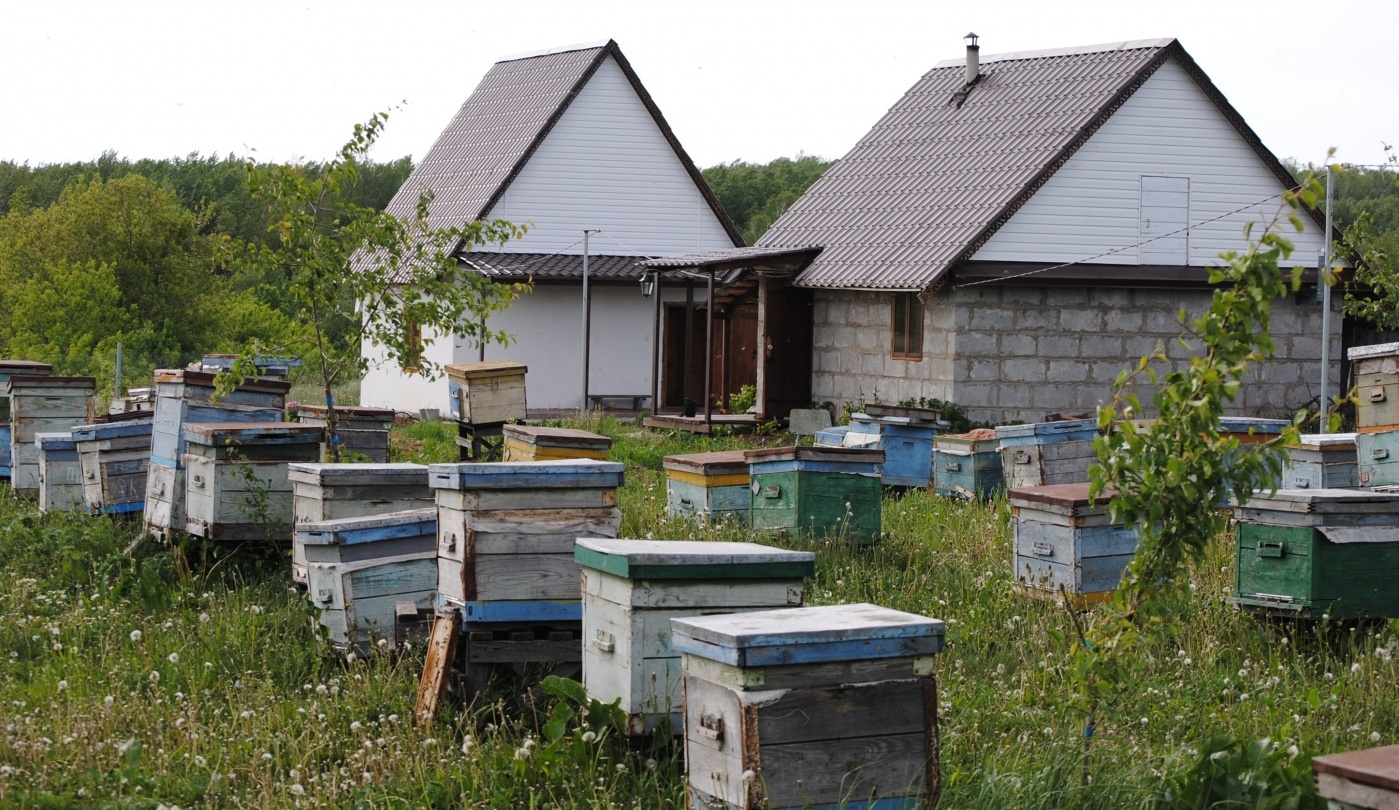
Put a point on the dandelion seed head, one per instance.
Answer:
(135, 635)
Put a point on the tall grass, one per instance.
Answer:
(181, 678)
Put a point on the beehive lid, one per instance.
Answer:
(43, 381)
(466, 372)
(1086, 428)
(1065, 499)
(25, 367)
(54, 441)
(839, 454)
(1377, 350)
(580, 473)
(556, 437)
(349, 411)
(1376, 767)
(719, 462)
(808, 635)
(397, 474)
(349, 531)
(904, 411)
(205, 378)
(692, 559)
(1244, 424)
(1325, 441)
(896, 421)
(974, 442)
(216, 434)
(1326, 501)
(114, 430)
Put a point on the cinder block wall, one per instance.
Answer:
(1019, 353)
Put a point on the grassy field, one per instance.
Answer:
(192, 677)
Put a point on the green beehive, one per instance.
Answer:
(1309, 553)
(831, 491)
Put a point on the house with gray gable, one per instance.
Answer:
(1020, 228)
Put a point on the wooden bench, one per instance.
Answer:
(599, 400)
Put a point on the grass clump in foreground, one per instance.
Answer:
(186, 679)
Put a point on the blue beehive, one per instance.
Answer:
(9, 368)
(907, 443)
(60, 480)
(115, 459)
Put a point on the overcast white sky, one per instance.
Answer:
(750, 80)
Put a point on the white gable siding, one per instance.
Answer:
(1092, 205)
(607, 165)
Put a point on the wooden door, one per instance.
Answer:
(681, 379)
(787, 351)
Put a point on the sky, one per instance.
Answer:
(751, 80)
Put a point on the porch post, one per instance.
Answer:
(656, 350)
(709, 351)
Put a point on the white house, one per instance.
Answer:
(565, 141)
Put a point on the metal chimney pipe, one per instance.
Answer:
(973, 57)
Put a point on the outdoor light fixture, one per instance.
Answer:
(648, 284)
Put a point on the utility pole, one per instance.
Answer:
(1322, 279)
(587, 323)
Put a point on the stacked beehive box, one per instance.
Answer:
(185, 397)
(906, 437)
(708, 485)
(9, 368)
(810, 707)
(1047, 452)
(1359, 780)
(367, 575)
(633, 588)
(823, 491)
(505, 555)
(1322, 461)
(268, 368)
(967, 465)
(137, 400)
(60, 479)
(1063, 539)
(363, 433)
(1312, 553)
(323, 492)
(1376, 370)
(534, 443)
(42, 405)
(482, 397)
(115, 459)
(236, 477)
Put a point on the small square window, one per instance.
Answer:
(907, 327)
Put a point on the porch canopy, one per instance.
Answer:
(741, 268)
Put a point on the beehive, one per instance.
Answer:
(42, 405)
(236, 478)
(115, 459)
(8, 369)
(533, 443)
(277, 368)
(1047, 452)
(184, 396)
(1359, 780)
(708, 485)
(486, 393)
(1376, 370)
(360, 570)
(907, 443)
(363, 433)
(1322, 461)
(810, 707)
(967, 466)
(323, 492)
(1377, 457)
(1064, 540)
(1309, 553)
(633, 588)
(60, 479)
(1251, 430)
(823, 491)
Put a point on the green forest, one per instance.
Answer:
(141, 252)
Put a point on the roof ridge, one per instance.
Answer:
(1125, 45)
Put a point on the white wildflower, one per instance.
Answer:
(256, 610)
(155, 677)
(356, 726)
(173, 658)
(108, 701)
(1374, 736)
(62, 685)
(203, 618)
(295, 789)
(135, 635)
(589, 736)
(200, 761)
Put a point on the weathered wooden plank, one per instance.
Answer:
(682, 593)
(437, 668)
(809, 635)
(802, 676)
(1088, 575)
(488, 500)
(573, 474)
(1067, 544)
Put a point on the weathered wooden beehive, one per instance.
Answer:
(534, 443)
(1377, 457)
(967, 465)
(1065, 540)
(363, 432)
(810, 707)
(184, 397)
(8, 369)
(60, 478)
(1309, 553)
(907, 442)
(276, 368)
(633, 588)
(486, 393)
(236, 485)
(42, 405)
(823, 491)
(1252, 430)
(1376, 370)
(137, 400)
(115, 459)
(1322, 461)
(336, 491)
(1359, 780)
(1047, 452)
(361, 570)
(708, 485)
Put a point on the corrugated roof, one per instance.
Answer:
(934, 178)
(734, 257)
(521, 266)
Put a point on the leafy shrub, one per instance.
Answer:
(1233, 773)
